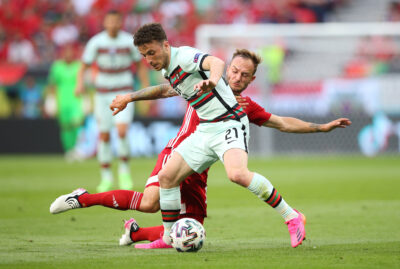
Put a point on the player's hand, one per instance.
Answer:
(119, 103)
(242, 101)
(79, 90)
(204, 86)
(339, 123)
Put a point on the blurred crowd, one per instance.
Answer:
(34, 33)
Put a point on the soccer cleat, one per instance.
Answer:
(105, 185)
(125, 181)
(166, 238)
(159, 243)
(296, 229)
(131, 226)
(67, 201)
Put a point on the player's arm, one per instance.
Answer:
(150, 93)
(216, 67)
(143, 74)
(80, 81)
(294, 125)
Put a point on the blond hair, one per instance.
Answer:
(244, 53)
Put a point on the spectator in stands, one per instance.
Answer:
(3, 45)
(21, 50)
(31, 99)
(394, 11)
(45, 47)
(65, 32)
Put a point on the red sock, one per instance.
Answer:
(118, 199)
(148, 233)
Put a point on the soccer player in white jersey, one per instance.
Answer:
(223, 131)
(114, 53)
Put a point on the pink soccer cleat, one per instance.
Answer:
(159, 243)
(296, 229)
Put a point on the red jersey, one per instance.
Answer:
(256, 113)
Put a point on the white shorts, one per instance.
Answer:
(103, 113)
(211, 140)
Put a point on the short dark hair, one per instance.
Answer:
(244, 53)
(114, 12)
(148, 33)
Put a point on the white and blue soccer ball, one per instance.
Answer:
(187, 235)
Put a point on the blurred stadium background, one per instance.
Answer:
(322, 59)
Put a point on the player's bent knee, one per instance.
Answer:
(166, 180)
(238, 177)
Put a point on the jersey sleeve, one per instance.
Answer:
(256, 113)
(191, 59)
(90, 52)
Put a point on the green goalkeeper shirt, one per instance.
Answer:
(63, 75)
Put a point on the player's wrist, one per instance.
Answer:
(130, 97)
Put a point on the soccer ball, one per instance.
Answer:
(187, 235)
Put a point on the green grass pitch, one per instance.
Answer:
(352, 205)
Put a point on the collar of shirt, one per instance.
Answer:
(170, 68)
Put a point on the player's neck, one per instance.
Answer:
(169, 58)
(112, 34)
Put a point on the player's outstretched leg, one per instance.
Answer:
(67, 201)
(296, 229)
(117, 199)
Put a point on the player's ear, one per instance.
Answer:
(253, 78)
(165, 44)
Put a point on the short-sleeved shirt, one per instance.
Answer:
(63, 76)
(184, 71)
(114, 58)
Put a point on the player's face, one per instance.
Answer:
(157, 54)
(112, 24)
(240, 74)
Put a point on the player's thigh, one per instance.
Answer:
(150, 200)
(102, 112)
(196, 151)
(231, 147)
(174, 171)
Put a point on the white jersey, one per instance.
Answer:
(184, 71)
(114, 58)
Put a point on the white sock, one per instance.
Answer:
(170, 206)
(263, 188)
(104, 155)
(123, 153)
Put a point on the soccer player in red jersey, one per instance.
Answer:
(240, 74)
